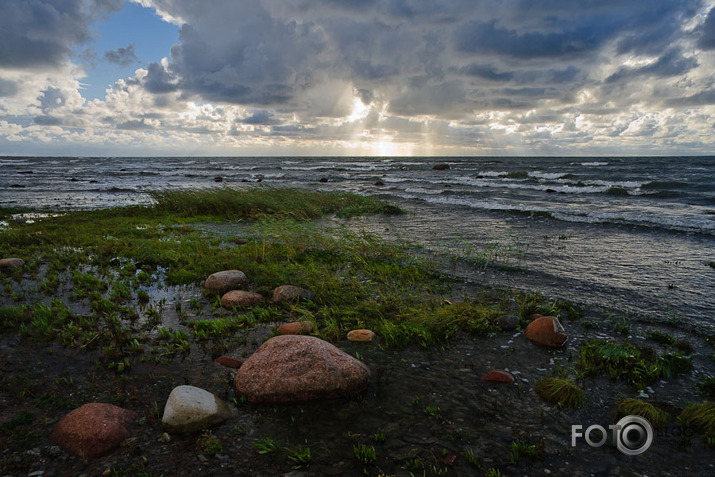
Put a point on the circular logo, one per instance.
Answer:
(634, 435)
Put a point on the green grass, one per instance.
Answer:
(636, 365)
(701, 417)
(561, 392)
(253, 204)
(657, 417)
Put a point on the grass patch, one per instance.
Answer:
(701, 417)
(657, 417)
(636, 365)
(254, 204)
(561, 392)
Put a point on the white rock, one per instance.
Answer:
(190, 409)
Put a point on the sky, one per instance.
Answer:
(357, 77)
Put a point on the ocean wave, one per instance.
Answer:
(592, 164)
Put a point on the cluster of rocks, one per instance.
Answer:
(542, 330)
(290, 367)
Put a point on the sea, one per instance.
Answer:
(632, 235)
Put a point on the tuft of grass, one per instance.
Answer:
(661, 337)
(657, 417)
(209, 444)
(299, 458)
(265, 445)
(520, 449)
(701, 417)
(561, 392)
(636, 365)
(364, 454)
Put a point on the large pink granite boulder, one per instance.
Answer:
(240, 298)
(93, 430)
(295, 368)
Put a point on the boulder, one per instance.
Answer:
(296, 328)
(296, 368)
(191, 409)
(225, 281)
(498, 377)
(8, 263)
(440, 167)
(229, 361)
(361, 335)
(290, 293)
(93, 430)
(546, 331)
(508, 322)
(240, 298)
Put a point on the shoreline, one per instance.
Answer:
(428, 401)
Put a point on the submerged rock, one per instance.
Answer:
(7, 263)
(297, 368)
(546, 331)
(191, 409)
(290, 293)
(440, 167)
(362, 336)
(239, 298)
(225, 281)
(296, 328)
(93, 430)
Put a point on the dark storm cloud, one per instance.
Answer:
(706, 32)
(672, 63)
(487, 37)
(261, 117)
(123, 57)
(44, 32)
(418, 57)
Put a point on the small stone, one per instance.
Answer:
(546, 331)
(165, 437)
(498, 377)
(240, 298)
(508, 322)
(290, 293)
(362, 335)
(224, 281)
(8, 263)
(190, 409)
(229, 361)
(296, 328)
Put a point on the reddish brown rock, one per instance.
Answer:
(224, 281)
(296, 328)
(362, 335)
(229, 361)
(299, 368)
(93, 430)
(440, 167)
(546, 331)
(498, 377)
(240, 298)
(290, 293)
(9, 263)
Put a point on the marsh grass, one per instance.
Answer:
(702, 417)
(636, 365)
(656, 416)
(561, 392)
(253, 204)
